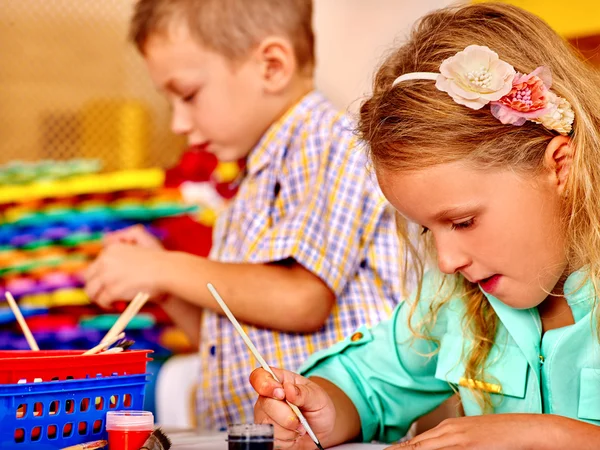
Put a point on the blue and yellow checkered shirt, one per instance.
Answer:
(307, 195)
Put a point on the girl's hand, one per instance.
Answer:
(489, 432)
(271, 407)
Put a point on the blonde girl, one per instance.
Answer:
(484, 129)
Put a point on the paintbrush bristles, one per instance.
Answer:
(158, 440)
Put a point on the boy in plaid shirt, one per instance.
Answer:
(307, 251)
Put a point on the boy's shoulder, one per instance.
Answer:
(323, 131)
(319, 116)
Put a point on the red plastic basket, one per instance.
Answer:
(49, 365)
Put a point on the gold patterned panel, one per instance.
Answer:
(71, 86)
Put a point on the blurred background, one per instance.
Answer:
(85, 147)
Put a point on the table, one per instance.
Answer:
(189, 440)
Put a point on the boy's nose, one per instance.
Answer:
(181, 121)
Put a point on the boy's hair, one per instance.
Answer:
(230, 27)
(413, 126)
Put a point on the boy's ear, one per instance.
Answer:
(277, 62)
(559, 158)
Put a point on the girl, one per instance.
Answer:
(484, 129)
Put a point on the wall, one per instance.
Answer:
(354, 35)
(61, 56)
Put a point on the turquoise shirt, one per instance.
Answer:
(392, 382)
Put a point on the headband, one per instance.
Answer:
(476, 76)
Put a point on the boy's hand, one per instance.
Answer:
(271, 407)
(135, 235)
(123, 270)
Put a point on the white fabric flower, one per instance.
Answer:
(475, 76)
(560, 117)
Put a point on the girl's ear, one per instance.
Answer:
(558, 159)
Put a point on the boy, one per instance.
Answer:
(294, 255)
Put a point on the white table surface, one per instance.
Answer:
(188, 440)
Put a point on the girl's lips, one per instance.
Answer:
(490, 284)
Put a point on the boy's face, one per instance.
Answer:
(494, 227)
(216, 105)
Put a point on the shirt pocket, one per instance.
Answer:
(507, 374)
(589, 394)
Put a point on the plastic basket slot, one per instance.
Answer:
(36, 433)
(38, 409)
(97, 428)
(67, 430)
(20, 435)
(52, 432)
(99, 403)
(21, 411)
(54, 408)
(83, 426)
(84, 405)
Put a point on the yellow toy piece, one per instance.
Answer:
(86, 184)
(225, 172)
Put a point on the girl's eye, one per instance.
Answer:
(463, 225)
(189, 98)
(424, 230)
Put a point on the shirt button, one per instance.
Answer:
(213, 350)
(356, 336)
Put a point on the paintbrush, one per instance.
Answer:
(158, 440)
(262, 362)
(88, 446)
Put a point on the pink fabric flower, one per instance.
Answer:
(528, 98)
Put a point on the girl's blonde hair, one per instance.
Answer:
(413, 126)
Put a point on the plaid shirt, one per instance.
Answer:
(307, 195)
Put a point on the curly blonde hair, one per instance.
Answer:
(405, 125)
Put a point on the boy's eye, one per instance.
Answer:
(424, 230)
(463, 225)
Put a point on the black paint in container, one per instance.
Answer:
(250, 436)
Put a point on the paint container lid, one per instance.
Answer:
(129, 420)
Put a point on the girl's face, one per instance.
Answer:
(497, 228)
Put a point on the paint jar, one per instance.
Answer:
(250, 436)
(128, 430)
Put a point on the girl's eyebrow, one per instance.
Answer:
(456, 211)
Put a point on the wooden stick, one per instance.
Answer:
(17, 312)
(102, 345)
(261, 360)
(132, 309)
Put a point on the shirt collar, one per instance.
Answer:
(524, 325)
(273, 143)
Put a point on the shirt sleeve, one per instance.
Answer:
(387, 373)
(329, 205)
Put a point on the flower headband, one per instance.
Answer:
(477, 76)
